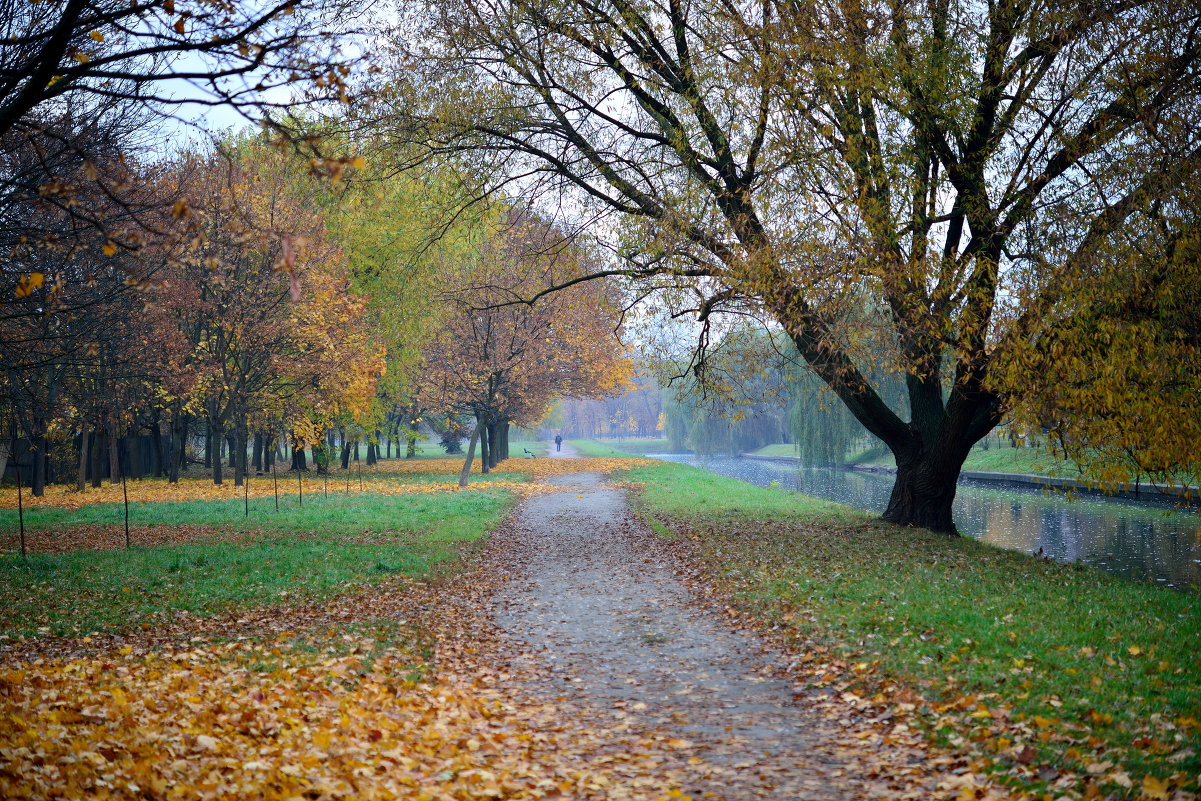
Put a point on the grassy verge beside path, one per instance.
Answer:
(299, 554)
(1064, 680)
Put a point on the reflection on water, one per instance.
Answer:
(1129, 538)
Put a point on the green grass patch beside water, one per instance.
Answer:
(632, 446)
(299, 554)
(1100, 668)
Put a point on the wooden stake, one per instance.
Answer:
(20, 507)
(300, 483)
(275, 481)
(246, 492)
(125, 495)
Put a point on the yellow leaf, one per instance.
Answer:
(1155, 789)
(110, 248)
(1134, 650)
(97, 35)
(178, 26)
(358, 162)
(28, 283)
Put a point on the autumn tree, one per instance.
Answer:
(275, 337)
(502, 362)
(952, 164)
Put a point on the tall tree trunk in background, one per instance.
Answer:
(37, 444)
(216, 437)
(345, 452)
(208, 448)
(257, 459)
(485, 447)
(504, 440)
(81, 475)
(97, 453)
(298, 457)
(156, 431)
(475, 435)
(232, 441)
(356, 450)
(240, 435)
(133, 456)
(114, 454)
(179, 446)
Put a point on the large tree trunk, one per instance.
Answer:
(924, 493)
(298, 457)
(345, 452)
(492, 447)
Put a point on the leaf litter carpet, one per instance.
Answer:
(572, 661)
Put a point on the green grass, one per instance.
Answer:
(1089, 655)
(300, 554)
(682, 492)
(439, 516)
(620, 447)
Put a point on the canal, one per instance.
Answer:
(1140, 540)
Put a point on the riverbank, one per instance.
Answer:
(1138, 491)
(1060, 677)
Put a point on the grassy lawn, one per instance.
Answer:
(301, 553)
(634, 446)
(1038, 461)
(1094, 675)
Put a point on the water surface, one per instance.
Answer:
(1142, 540)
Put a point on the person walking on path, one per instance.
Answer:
(558, 442)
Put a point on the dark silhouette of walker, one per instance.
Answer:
(558, 442)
